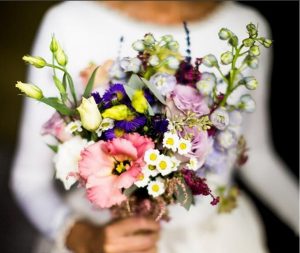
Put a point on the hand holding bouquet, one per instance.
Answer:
(161, 125)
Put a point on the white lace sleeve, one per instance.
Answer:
(32, 174)
(265, 173)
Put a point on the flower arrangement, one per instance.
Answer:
(157, 127)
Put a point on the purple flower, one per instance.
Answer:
(97, 97)
(186, 99)
(187, 74)
(198, 185)
(132, 123)
(115, 94)
(148, 95)
(216, 161)
(160, 126)
(113, 133)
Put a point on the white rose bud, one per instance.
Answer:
(89, 114)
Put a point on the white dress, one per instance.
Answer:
(91, 32)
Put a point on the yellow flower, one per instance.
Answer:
(30, 90)
(89, 114)
(139, 102)
(36, 61)
(117, 112)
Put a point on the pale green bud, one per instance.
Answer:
(172, 62)
(252, 61)
(267, 43)
(59, 85)
(252, 30)
(138, 45)
(254, 51)
(30, 90)
(248, 42)
(247, 103)
(173, 45)
(153, 60)
(225, 34)
(226, 58)
(233, 41)
(54, 45)
(61, 57)
(210, 61)
(149, 39)
(167, 38)
(250, 82)
(36, 61)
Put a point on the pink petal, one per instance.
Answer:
(121, 149)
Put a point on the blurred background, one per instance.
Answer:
(18, 24)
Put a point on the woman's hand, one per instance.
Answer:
(131, 235)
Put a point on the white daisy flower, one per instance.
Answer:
(184, 146)
(164, 165)
(105, 124)
(143, 180)
(193, 164)
(150, 170)
(170, 141)
(156, 188)
(151, 156)
(74, 126)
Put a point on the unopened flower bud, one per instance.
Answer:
(233, 41)
(247, 103)
(149, 39)
(36, 61)
(54, 45)
(267, 43)
(250, 82)
(248, 42)
(254, 51)
(226, 58)
(172, 62)
(138, 45)
(207, 83)
(61, 57)
(252, 61)
(224, 34)
(173, 45)
(153, 60)
(30, 90)
(167, 38)
(252, 30)
(210, 60)
(131, 64)
(220, 118)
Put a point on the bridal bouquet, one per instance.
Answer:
(147, 130)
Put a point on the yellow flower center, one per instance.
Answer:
(182, 146)
(121, 166)
(118, 132)
(170, 141)
(155, 188)
(141, 177)
(163, 165)
(153, 157)
(151, 167)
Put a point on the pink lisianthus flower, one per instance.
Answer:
(184, 99)
(201, 144)
(55, 126)
(108, 167)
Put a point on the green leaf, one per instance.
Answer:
(90, 84)
(65, 81)
(181, 193)
(129, 191)
(135, 82)
(72, 88)
(154, 90)
(57, 105)
(53, 147)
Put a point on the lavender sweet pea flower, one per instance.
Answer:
(187, 99)
(216, 161)
(201, 144)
